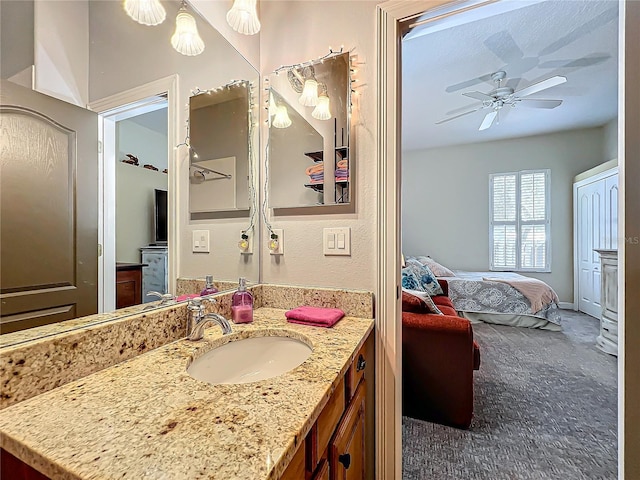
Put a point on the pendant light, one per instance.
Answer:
(309, 97)
(243, 17)
(186, 39)
(281, 120)
(145, 12)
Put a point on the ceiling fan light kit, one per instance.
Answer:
(501, 96)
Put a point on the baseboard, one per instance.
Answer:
(566, 305)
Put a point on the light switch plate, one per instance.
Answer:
(336, 241)
(280, 233)
(200, 241)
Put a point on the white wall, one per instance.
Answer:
(298, 31)
(134, 209)
(16, 36)
(61, 31)
(148, 145)
(611, 140)
(445, 198)
(124, 55)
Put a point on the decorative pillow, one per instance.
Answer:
(437, 269)
(421, 298)
(420, 277)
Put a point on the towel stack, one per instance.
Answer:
(315, 316)
(342, 171)
(316, 173)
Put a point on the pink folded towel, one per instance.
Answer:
(315, 316)
(189, 296)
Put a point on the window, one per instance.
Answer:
(519, 230)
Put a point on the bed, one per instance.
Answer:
(485, 297)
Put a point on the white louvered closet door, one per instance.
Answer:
(597, 225)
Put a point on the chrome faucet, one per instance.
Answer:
(198, 320)
(165, 299)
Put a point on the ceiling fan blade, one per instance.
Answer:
(457, 116)
(479, 96)
(468, 83)
(488, 120)
(577, 63)
(503, 46)
(536, 103)
(543, 85)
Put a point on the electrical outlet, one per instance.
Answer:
(200, 241)
(280, 250)
(336, 241)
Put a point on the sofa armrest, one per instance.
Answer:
(445, 286)
(437, 368)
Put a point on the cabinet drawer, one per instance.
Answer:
(326, 425)
(347, 449)
(356, 371)
(295, 470)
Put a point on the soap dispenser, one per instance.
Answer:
(209, 287)
(242, 304)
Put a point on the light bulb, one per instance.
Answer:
(274, 245)
(309, 97)
(145, 12)
(243, 244)
(186, 39)
(243, 17)
(322, 112)
(281, 120)
(273, 108)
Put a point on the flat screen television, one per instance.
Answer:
(160, 220)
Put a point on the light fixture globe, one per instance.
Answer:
(186, 39)
(145, 12)
(243, 17)
(309, 96)
(281, 120)
(322, 111)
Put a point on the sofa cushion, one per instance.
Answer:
(437, 269)
(446, 310)
(416, 276)
(443, 300)
(424, 303)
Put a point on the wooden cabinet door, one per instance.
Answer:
(346, 451)
(323, 471)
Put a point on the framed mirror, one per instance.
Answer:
(221, 128)
(114, 56)
(310, 159)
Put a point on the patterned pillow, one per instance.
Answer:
(419, 277)
(437, 269)
(419, 296)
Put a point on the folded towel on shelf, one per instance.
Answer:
(342, 172)
(315, 316)
(315, 168)
(342, 164)
(342, 179)
(314, 182)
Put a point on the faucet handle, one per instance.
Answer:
(195, 304)
(165, 298)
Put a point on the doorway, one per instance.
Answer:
(395, 19)
(123, 119)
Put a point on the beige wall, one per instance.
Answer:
(134, 209)
(298, 31)
(610, 145)
(149, 146)
(445, 198)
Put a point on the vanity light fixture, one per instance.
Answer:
(186, 39)
(145, 12)
(322, 110)
(281, 120)
(274, 244)
(243, 17)
(309, 97)
(243, 244)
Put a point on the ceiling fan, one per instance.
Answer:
(501, 96)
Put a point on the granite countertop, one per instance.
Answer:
(147, 418)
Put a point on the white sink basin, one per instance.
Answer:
(249, 360)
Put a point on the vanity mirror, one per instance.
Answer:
(310, 162)
(120, 55)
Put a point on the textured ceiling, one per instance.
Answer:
(573, 38)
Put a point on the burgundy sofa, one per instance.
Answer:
(439, 356)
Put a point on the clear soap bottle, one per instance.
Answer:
(242, 304)
(209, 287)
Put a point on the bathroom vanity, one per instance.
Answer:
(146, 417)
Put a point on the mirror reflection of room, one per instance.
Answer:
(309, 115)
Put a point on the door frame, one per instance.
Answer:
(576, 258)
(394, 17)
(107, 183)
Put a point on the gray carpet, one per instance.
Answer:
(545, 408)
